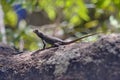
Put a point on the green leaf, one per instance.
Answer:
(103, 3)
(82, 10)
(51, 13)
(11, 18)
(91, 24)
(75, 20)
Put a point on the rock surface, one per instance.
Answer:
(84, 61)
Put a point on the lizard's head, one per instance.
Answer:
(37, 32)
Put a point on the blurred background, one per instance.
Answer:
(65, 19)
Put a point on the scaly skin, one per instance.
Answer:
(55, 42)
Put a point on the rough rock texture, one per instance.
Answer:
(84, 61)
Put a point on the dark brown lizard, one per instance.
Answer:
(55, 42)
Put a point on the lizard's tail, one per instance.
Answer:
(80, 38)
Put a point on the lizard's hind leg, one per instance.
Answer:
(57, 44)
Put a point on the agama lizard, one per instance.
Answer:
(55, 42)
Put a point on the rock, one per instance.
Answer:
(84, 61)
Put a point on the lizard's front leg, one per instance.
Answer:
(44, 44)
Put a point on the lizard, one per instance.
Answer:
(55, 42)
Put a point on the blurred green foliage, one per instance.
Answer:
(74, 11)
(10, 17)
(81, 16)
